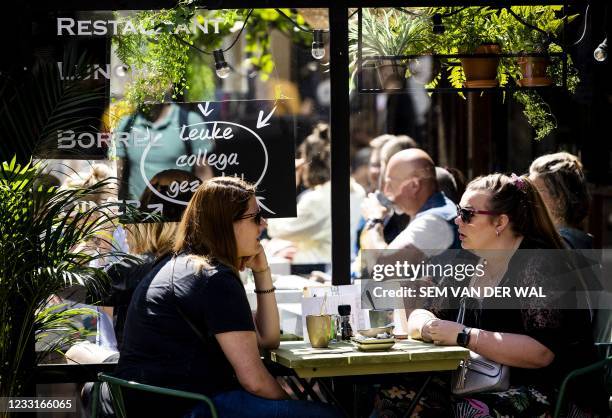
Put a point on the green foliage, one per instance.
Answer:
(390, 32)
(41, 230)
(158, 60)
(537, 112)
(546, 18)
(201, 79)
(473, 26)
(167, 67)
(469, 28)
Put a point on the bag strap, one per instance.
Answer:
(461, 313)
(123, 193)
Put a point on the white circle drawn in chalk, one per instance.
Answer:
(181, 202)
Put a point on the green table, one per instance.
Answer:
(343, 359)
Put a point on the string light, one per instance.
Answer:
(438, 27)
(318, 47)
(221, 67)
(601, 52)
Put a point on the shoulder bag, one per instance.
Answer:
(476, 373)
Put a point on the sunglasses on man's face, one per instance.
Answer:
(257, 217)
(466, 214)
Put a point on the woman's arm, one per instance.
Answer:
(267, 322)
(416, 321)
(240, 348)
(516, 350)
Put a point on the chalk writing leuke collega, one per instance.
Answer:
(207, 132)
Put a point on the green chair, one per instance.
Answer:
(602, 364)
(115, 385)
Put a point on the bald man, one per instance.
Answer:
(410, 183)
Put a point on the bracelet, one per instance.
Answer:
(265, 291)
(261, 271)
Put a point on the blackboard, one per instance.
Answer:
(247, 139)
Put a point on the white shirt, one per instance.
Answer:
(310, 231)
(429, 233)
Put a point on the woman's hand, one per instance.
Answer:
(257, 262)
(441, 332)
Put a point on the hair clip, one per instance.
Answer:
(517, 181)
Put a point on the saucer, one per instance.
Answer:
(375, 346)
(369, 341)
(481, 84)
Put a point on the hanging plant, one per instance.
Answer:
(171, 64)
(503, 27)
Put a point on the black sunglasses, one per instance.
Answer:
(466, 214)
(257, 217)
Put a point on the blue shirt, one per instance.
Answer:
(156, 144)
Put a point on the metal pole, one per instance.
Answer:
(340, 143)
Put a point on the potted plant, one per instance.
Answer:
(472, 30)
(42, 227)
(391, 33)
(539, 37)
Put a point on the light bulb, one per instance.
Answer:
(318, 47)
(221, 67)
(318, 52)
(601, 52)
(223, 72)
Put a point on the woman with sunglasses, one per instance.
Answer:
(503, 221)
(190, 327)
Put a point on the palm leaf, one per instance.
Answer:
(40, 255)
(43, 103)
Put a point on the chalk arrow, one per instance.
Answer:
(159, 207)
(259, 200)
(205, 110)
(261, 122)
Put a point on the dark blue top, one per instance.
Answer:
(576, 239)
(160, 347)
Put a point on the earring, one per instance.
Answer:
(497, 232)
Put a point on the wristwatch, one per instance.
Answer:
(463, 338)
(373, 221)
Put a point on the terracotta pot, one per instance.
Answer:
(533, 70)
(391, 74)
(482, 72)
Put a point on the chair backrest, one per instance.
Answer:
(115, 385)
